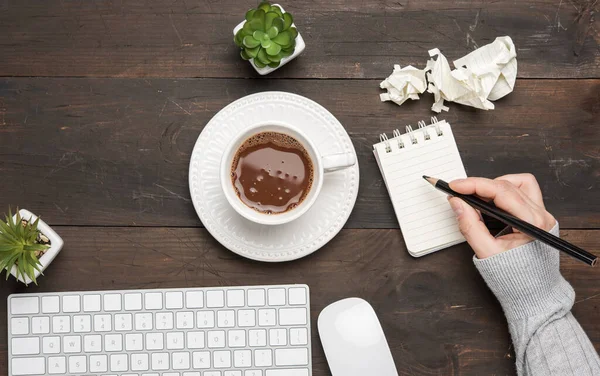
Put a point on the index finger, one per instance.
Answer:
(503, 193)
(528, 184)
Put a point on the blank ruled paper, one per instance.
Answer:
(426, 219)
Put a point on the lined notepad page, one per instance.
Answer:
(426, 219)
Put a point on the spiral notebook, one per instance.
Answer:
(424, 214)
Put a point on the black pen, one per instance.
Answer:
(514, 222)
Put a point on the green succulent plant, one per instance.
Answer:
(19, 246)
(267, 35)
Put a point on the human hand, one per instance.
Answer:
(518, 194)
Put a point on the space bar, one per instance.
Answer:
(287, 372)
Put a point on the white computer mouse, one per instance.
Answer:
(353, 340)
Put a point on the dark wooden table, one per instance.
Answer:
(101, 103)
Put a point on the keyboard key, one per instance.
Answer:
(19, 325)
(180, 360)
(123, 322)
(160, 361)
(82, 323)
(143, 321)
(39, 325)
(92, 343)
(191, 374)
(222, 359)
(153, 300)
(277, 337)
(195, 340)
(91, 303)
(266, 317)
(51, 345)
(71, 344)
(112, 302)
(50, 304)
(291, 357)
(257, 338)
(185, 320)
(77, 364)
(102, 323)
(61, 324)
(263, 358)
(71, 303)
(118, 363)
(25, 306)
(246, 318)
(154, 341)
(133, 301)
(287, 372)
(28, 366)
(134, 342)
(215, 299)
(201, 360)
(256, 298)
(212, 373)
(298, 336)
(205, 319)
(292, 316)
(235, 298)
(57, 365)
(236, 338)
(216, 339)
(226, 319)
(194, 299)
(174, 300)
(242, 358)
(232, 373)
(175, 341)
(98, 363)
(297, 296)
(276, 297)
(164, 320)
(113, 343)
(25, 346)
(140, 362)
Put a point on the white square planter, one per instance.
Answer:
(56, 244)
(266, 70)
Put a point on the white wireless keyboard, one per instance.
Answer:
(221, 331)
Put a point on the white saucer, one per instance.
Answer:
(300, 237)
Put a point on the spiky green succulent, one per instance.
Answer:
(19, 246)
(267, 35)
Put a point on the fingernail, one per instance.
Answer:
(456, 206)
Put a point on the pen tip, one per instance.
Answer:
(425, 177)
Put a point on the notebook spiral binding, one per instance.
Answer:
(411, 133)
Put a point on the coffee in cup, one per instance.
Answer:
(253, 177)
(272, 172)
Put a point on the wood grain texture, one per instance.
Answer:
(345, 38)
(116, 151)
(438, 315)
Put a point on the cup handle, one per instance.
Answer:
(335, 162)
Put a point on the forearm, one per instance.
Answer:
(537, 302)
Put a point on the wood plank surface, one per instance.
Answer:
(116, 151)
(345, 38)
(437, 313)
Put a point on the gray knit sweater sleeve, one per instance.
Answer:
(537, 302)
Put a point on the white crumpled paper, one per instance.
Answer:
(484, 75)
(404, 83)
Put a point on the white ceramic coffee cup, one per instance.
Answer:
(322, 164)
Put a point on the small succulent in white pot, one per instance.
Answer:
(27, 245)
(268, 37)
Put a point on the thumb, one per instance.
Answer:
(473, 229)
